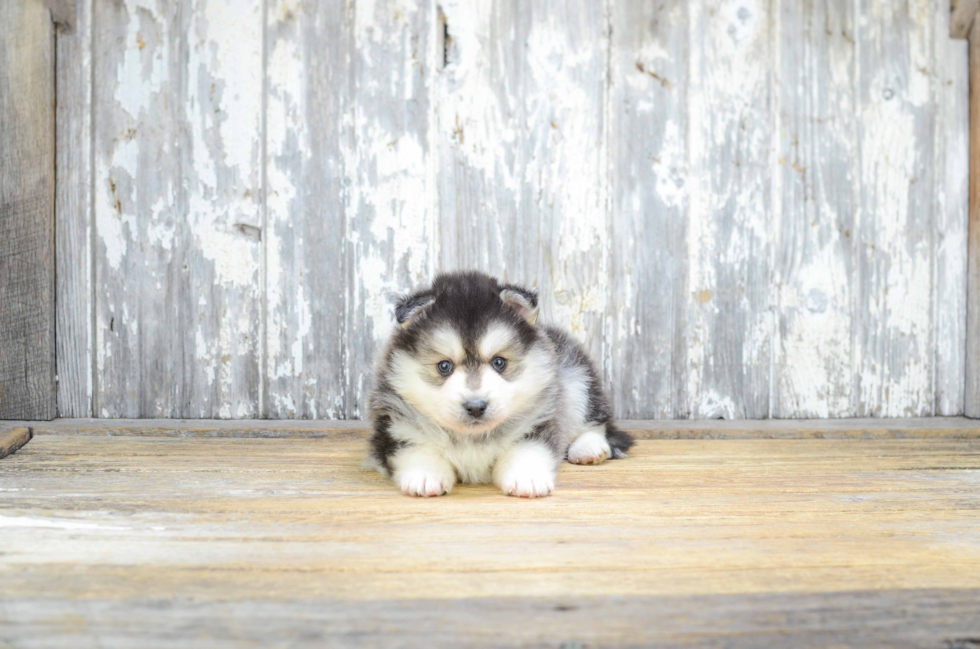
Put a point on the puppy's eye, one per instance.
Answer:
(445, 367)
(499, 363)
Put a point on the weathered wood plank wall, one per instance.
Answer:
(27, 202)
(745, 208)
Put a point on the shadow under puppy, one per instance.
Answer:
(471, 389)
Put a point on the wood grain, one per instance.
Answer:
(13, 439)
(972, 407)
(27, 182)
(815, 235)
(646, 363)
(816, 207)
(177, 209)
(723, 538)
(309, 138)
(895, 229)
(729, 322)
(73, 226)
(219, 142)
(919, 618)
(139, 275)
(951, 153)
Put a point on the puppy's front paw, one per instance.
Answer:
(589, 448)
(528, 471)
(422, 472)
(528, 484)
(420, 482)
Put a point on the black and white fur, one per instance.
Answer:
(518, 399)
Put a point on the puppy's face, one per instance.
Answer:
(471, 384)
(468, 355)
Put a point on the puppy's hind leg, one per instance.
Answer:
(598, 443)
(590, 447)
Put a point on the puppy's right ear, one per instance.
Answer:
(410, 306)
(523, 301)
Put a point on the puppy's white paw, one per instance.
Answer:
(528, 471)
(422, 472)
(527, 485)
(589, 448)
(420, 482)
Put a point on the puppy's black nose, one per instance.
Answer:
(476, 407)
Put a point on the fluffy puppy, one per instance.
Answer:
(471, 389)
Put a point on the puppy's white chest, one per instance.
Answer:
(474, 461)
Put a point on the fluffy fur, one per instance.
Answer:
(471, 389)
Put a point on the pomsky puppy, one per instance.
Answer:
(471, 389)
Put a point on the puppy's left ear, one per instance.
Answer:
(410, 306)
(523, 301)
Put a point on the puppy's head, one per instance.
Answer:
(468, 355)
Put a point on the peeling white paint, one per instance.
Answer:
(285, 128)
(470, 111)
(400, 225)
(142, 70)
(671, 168)
(232, 56)
(505, 154)
(234, 256)
(901, 305)
(115, 217)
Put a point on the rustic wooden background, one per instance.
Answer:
(746, 208)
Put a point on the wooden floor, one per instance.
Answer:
(169, 541)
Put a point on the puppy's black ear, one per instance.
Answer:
(409, 306)
(523, 301)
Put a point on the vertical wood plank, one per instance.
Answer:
(972, 403)
(893, 307)
(309, 132)
(816, 175)
(729, 322)
(481, 159)
(392, 213)
(523, 185)
(73, 222)
(949, 79)
(178, 184)
(27, 185)
(648, 176)
(220, 143)
(139, 328)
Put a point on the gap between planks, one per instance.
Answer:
(918, 428)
